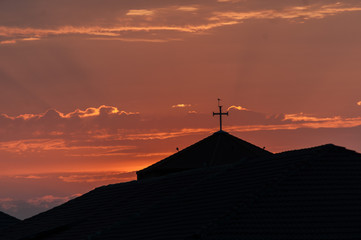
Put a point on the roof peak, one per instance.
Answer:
(221, 131)
(217, 149)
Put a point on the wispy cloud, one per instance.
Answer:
(7, 42)
(211, 16)
(145, 40)
(169, 134)
(13, 41)
(107, 133)
(187, 8)
(301, 117)
(181, 105)
(50, 200)
(158, 154)
(8, 204)
(98, 177)
(314, 11)
(40, 145)
(78, 113)
(31, 176)
(229, 1)
(240, 108)
(139, 12)
(104, 31)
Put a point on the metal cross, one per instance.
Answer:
(220, 113)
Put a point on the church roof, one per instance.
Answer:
(7, 220)
(218, 149)
(305, 194)
(317, 198)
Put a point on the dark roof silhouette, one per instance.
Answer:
(7, 220)
(217, 149)
(304, 194)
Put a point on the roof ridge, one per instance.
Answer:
(214, 152)
(169, 158)
(292, 169)
(315, 149)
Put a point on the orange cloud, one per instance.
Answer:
(297, 12)
(106, 133)
(99, 177)
(210, 17)
(300, 122)
(139, 12)
(115, 31)
(187, 8)
(13, 41)
(8, 42)
(238, 108)
(169, 134)
(33, 145)
(308, 118)
(88, 112)
(359, 103)
(39, 145)
(149, 40)
(229, 1)
(160, 154)
(181, 105)
(30, 177)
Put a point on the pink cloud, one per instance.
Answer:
(50, 200)
(8, 204)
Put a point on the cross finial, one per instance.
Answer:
(220, 113)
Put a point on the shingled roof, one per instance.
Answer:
(305, 194)
(218, 149)
(7, 220)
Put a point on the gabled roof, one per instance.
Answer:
(7, 220)
(218, 149)
(305, 194)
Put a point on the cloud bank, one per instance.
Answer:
(107, 131)
(165, 20)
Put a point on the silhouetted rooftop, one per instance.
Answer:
(7, 220)
(305, 194)
(218, 149)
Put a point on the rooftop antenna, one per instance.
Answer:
(220, 113)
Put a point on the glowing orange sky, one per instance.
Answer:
(96, 87)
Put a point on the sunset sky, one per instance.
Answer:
(93, 90)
